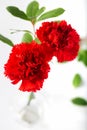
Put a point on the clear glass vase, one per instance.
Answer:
(28, 109)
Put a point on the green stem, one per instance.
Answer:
(34, 30)
(31, 97)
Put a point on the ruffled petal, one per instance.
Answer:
(26, 85)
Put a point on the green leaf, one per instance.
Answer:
(82, 56)
(37, 40)
(32, 9)
(17, 30)
(51, 14)
(77, 80)
(40, 11)
(27, 38)
(16, 12)
(79, 101)
(6, 40)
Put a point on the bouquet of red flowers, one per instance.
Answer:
(29, 60)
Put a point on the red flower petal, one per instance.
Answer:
(29, 86)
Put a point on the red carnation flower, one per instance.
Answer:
(27, 63)
(61, 38)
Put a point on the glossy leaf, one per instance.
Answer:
(32, 9)
(79, 101)
(82, 56)
(16, 12)
(77, 80)
(40, 11)
(6, 40)
(51, 14)
(27, 38)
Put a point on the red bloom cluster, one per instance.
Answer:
(27, 62)
(61, 38)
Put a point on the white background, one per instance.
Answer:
(57, 90)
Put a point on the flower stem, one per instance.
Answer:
(34, 30)
(31, 97)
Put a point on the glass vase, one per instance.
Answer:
(28, 109)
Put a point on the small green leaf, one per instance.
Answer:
(51, 14)
(32, 9)
(77, 80)
(40, 11)
(17, 30)
(27, 38)
(82, 56)
(16, 12)
(6, 40)
(37, 40)
(79, 101)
